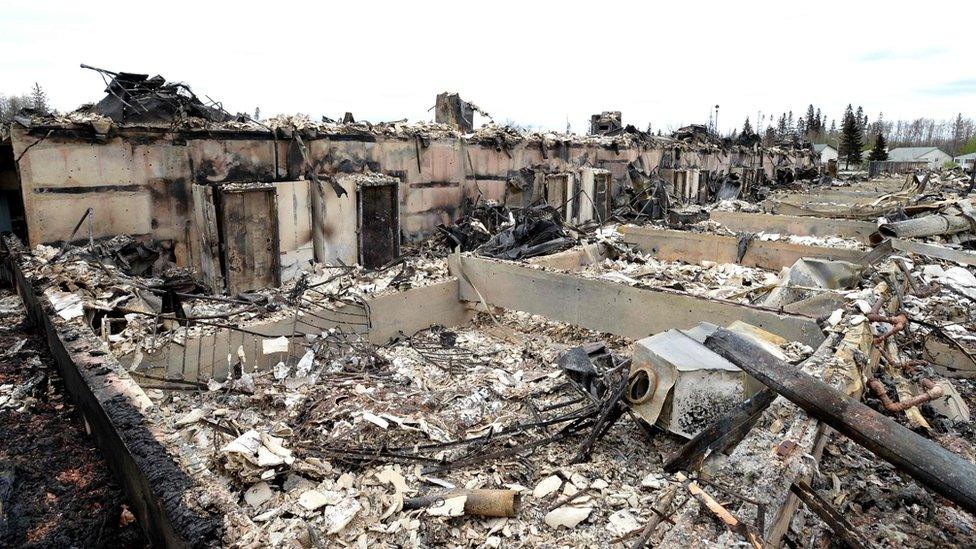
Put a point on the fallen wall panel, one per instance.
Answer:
(611, 307)
(696, 247)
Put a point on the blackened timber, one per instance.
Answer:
(435, 184)
(928, 463)
(730, 428)
(609, 415)
(834, 519)
(90, 189)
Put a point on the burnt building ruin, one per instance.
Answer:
(298, 333)
(191, 185)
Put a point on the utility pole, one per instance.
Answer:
(716, 119)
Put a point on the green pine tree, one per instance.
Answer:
(850, 138)
(879, 152)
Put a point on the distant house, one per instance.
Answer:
(825, 151)
(965, 161)
(933, 155)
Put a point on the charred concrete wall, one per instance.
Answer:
(139, 181)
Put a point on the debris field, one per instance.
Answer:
(599, 352)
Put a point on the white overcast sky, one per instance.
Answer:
(531, 62)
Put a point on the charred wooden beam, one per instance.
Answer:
(724, 432)
(928, 463)
(833, 518)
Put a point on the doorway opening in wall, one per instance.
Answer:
(12, 217)
(379, 224)
(602, 195)
(247, 215)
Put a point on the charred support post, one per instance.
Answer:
(930, 464)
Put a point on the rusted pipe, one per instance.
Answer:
(932, 392)
(907, 367)
(920, 291)
(898, 323)
(483, 503)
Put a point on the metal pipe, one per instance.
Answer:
(930, 225)
(484, 503)
(932, 392)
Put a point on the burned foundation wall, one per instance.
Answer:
(174, 508)
(140, 181)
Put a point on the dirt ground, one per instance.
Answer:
(63, 493)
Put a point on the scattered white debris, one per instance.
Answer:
(548, 485)
(567, 516)
(450, 507)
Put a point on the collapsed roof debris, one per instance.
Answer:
(495, 231)
(137, 98)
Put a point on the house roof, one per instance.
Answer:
(904, 154)
(965, 156)
(819, 147)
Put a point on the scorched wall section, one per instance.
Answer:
(139, 180)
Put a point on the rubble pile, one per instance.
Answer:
(135, 314)
(447, 434)
(492, 230)
(706, 279)
(137, 98)
(339, 454)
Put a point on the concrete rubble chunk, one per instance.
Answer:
(338, 516)
(568, 517)
(547, 486)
